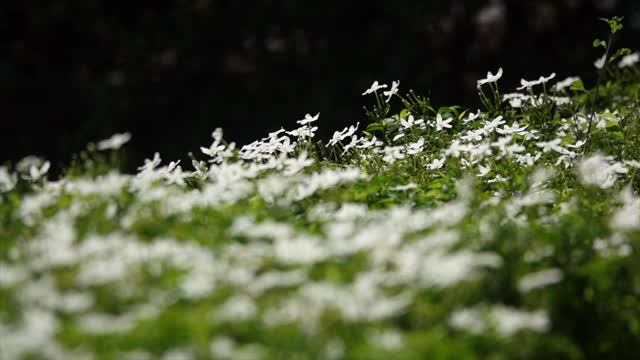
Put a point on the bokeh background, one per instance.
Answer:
(170, 71)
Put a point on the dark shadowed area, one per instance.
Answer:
(170, 72)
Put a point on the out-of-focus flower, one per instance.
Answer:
(36, 172)
(600, 171)
(629, 60)
(539, 279)
(7, 180)
(561, 85)
(115, 142)
(599, 64)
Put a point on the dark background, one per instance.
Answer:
(170, 72)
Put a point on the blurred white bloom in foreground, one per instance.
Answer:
(7, 180)
(506, 321)
(27, 162)
(627, 217)
(490, 78)
(539, 279)
(629, 60)
(598, 170)
(388, 339)
(599, 64)
(509, 321)
(374, 87)
(114, 142)
(36, 172)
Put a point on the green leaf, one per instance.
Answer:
(375, 127)
(598, 42)
(577, 85)
(619, 53)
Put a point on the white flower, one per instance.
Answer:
(410, 122)
(629, 60)
(467, 320)
(514, 129)
(150, 165)
(354, 141)
(509, 321)
(577, 145)
(443, 124)
(7, 180)
(599, 64)
(490, 78)
(627, 217)
(561, 85)
(527, 159)
(308, 119)
(114, 142)
(483, 170)
(374, 87)
(489, 126)
(598, 170)
(341, 135)
(36, 172)
(368, 143)
(303, 131)
(542, 80)
(471, 117)
(394, 90)
(436, 164)
(550, 145)
(337, 137)
(539, 279)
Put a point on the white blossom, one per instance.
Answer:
(115, 142)
(490, 78)
(374, 87)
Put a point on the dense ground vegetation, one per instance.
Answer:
(511, 232)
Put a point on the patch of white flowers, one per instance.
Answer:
(275, 273)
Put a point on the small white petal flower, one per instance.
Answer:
(442, 124)
(542, 80)
(471, 117)
(394, 90)
(490, 78)
(483, 170)
(374, 87)
(308, 119)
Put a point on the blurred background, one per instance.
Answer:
(171, 71)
